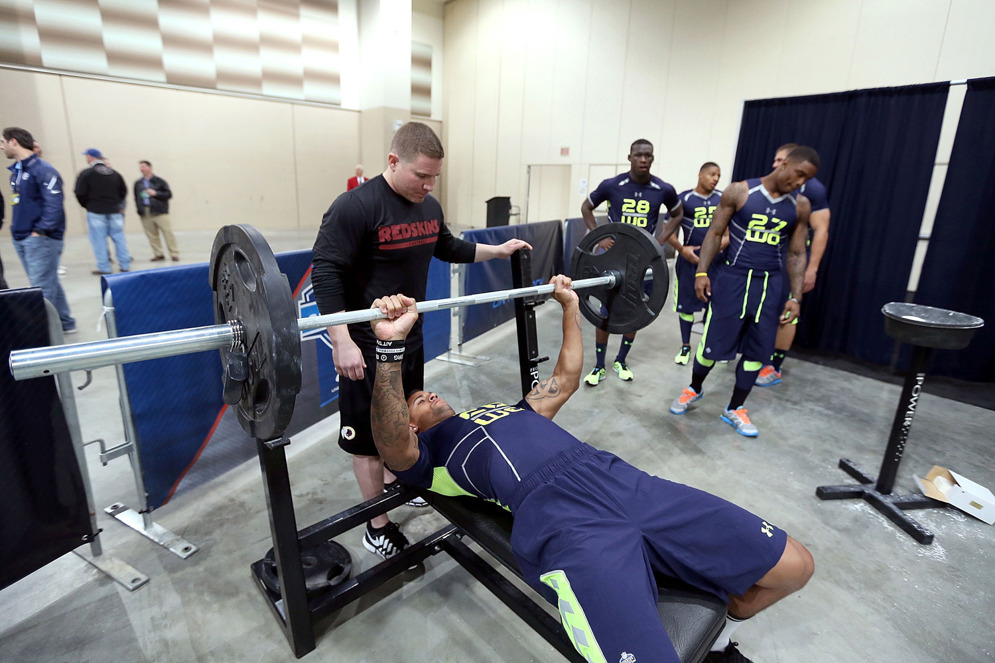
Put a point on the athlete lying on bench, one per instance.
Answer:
(587, 524)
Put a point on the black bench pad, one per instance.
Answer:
(692, 618)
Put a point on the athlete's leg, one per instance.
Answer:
(789, 575)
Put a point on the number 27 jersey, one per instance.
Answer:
(760, 230)
(635, 203)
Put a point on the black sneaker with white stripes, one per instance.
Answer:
(386, 541)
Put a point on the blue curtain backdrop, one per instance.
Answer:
(956, 274)
(877, 149)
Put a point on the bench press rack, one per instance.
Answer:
(692, 618)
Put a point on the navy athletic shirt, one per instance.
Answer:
(816, 193)
(698, 211)
(631, 202)
(486, 452)
(759, 232)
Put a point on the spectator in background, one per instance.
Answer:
(38, 219)
(3, 283)
(36, 148)
(357, 180)
(152, 196)
(102, 191)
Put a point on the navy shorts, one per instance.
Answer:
(685, 301)
(355, 396)
(743, 314)
(595, 532)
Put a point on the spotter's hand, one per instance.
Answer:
(505, 250)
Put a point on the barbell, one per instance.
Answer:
(258, 332)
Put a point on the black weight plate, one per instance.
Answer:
(248, 286)
(627, 307)
(325, 566)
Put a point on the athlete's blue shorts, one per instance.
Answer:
(685, 301)
(743, 314)
(594, 529)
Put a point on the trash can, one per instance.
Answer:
(498, 211)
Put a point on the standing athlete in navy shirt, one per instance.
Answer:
(818, 221)
(746, 303)
(699, 206)
(634, 197)
(590, 530)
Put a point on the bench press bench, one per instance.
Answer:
(692, 618)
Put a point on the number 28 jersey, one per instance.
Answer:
(635, 203)
(760, 230)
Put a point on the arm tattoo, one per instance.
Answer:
(389, 412)
(548, 388)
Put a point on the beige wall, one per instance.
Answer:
(527, 78)
(272, 163)
(228, 159)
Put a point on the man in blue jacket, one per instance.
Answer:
(38, 219)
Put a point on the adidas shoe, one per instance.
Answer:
(728, 655)
(688, 396)
(768, 377)
(595, 376)
(416, 502)
(739, 420)
(684, 356)
(623, 371)
(386, 541)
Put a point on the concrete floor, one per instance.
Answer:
(876, 595)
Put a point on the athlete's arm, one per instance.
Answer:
(733, 198)
(587, 211)
(390, 421)
(683, 250)
(795, 262)
(549, 395)
(676, 214)
(819, 222)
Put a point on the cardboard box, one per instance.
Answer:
(947, 486)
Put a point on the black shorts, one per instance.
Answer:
(355, 434)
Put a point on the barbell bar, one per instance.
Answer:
(40, 362)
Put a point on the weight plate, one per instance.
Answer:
(248, 286)
(325, 566)
(626, 307)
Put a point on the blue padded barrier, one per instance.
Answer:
(546, 239)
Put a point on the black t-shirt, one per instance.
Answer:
(374, 242)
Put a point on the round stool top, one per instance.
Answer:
(928, 326)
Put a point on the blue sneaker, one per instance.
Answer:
(768, 377)
(739, 420)
(688, 396)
